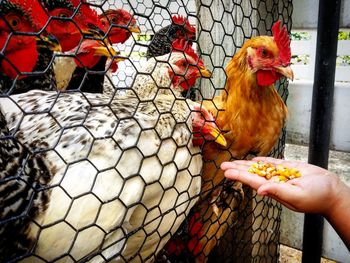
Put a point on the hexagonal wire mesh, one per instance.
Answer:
(91, 177)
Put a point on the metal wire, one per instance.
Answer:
(222, 28)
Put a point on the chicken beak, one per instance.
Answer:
(119, 59)
(216, 133)
(95, 31)
(50, 42)
(134, 29)
(285, 71)
(203, 72)
(106, 51)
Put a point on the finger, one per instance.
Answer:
(295, 164)
(234, 164)
(249, 179)
(269, 160)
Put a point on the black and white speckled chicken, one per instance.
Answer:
(23, 175)
(123, 174)
(180, 28)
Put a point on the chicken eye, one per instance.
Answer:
(14, 22)
(114, 20)
(63, 15)
(264, 52)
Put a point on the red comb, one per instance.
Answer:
(184, 46)
(282, 40)
(117, 12)
(90, 15)
(180, 20)
(35, 12)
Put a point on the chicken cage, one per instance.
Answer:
(104, 126)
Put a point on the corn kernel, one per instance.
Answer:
(279, 173)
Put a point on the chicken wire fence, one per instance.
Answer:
(98, 177)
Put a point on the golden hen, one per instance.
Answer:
(252, 114)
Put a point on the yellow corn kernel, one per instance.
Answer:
(261, 173)
(279, 173)
(282, 178)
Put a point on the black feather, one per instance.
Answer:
(89, 81)
(163, 39)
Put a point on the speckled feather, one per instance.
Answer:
(112, 153)
(23, 178)
(69, 128)
(45, 78)
(161, 130)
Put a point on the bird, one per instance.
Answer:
(122, 173)
(161, 43)
(46, 44)
(95, 75)
(251, 115)
(183, 61)
(118, 24)
(71, 21)
(90, 59)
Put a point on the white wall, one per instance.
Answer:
(305, 13)
(299, 105)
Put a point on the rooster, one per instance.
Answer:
(180, 28)
(119, 171)
(90, 76)
(45, 45)
(252, 115)
(70, 21)
(90, 62)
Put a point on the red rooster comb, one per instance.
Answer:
(182, 45)
(120, 13)
(282, 40)
(90, 15)
(35, 12)
(180, 20)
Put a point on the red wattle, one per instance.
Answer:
(267, 77)
(29, 57)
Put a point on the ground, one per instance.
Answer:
(291, 255)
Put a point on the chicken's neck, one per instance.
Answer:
(243, 93)
(44, 80)
(155, 81)
(92, 82)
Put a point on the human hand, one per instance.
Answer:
(316, 191)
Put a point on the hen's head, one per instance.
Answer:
(269, 57)
(70, 20)
(89, 52)
(185, 67)
(19, 50)
(119, 24)
(204, 129)
(185, 29)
